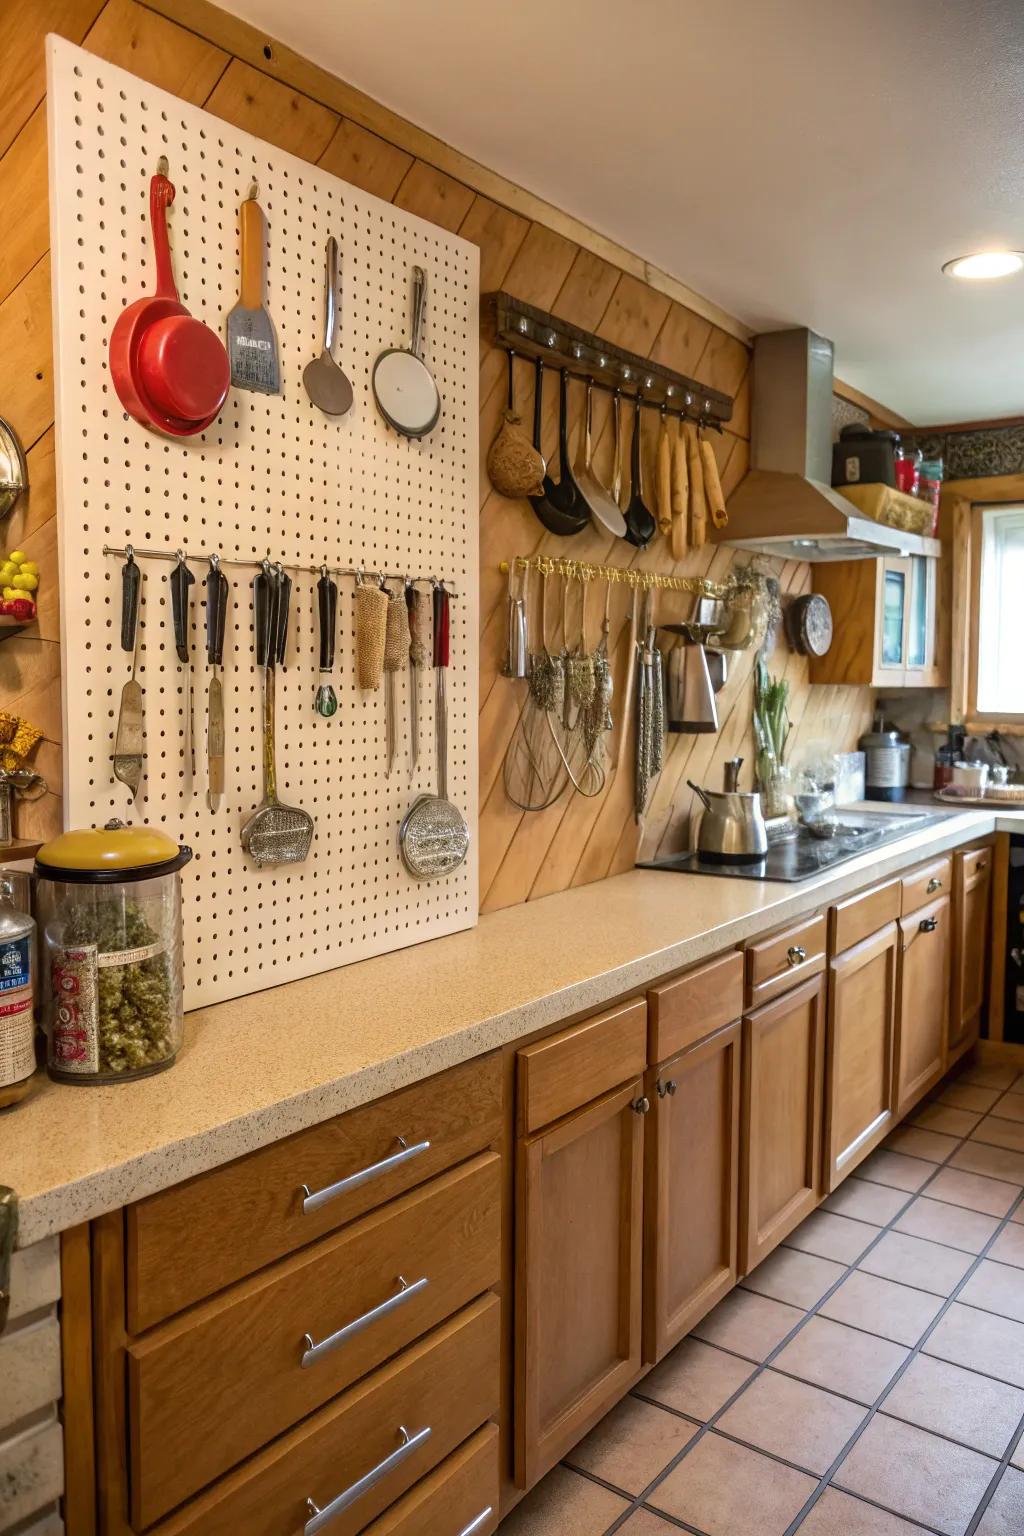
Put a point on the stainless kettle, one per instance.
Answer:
(731, 829)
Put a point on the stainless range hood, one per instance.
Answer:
(786, 506)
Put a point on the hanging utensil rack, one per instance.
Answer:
(534, 333)
(252, 563)
(643, 581)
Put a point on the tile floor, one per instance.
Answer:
(866, 1380)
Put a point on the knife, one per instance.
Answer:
(216, 616)
(181, 579)
(129, 737)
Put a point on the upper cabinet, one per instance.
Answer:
(884, 613)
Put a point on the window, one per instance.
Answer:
(1000, 663)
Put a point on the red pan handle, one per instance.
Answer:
(161, 196)
(440, 627)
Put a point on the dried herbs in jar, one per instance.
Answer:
(110, 918)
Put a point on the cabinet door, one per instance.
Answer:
(692, 1188)
(972, 889)
(923, 1012)
(892, 618)
(579, 1241)
(783, 1092)
(859, 1053)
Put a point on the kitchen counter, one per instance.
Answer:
(261, 1067)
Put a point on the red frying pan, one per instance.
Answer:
(169, 369)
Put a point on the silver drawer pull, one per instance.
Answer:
(320, 1517)
(934, 884)
(796, 954)
(311, 1201)
(479, 1523)
(928, 924)
(314, 1352)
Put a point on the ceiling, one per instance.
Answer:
(799, 163)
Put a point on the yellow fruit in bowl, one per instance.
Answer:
(7, 574)
(10, 594)
(26, 582)
(16, 556)
(29, 568)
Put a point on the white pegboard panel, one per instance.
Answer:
(272, 474)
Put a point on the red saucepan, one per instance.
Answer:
(169, 369)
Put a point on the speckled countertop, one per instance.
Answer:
(263, 1066)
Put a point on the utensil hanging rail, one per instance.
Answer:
(253, 562)
(534, 333)
(626, 575)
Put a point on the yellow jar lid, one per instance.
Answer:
(112, 852)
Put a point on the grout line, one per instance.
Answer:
(877, 1406)
(871, 1410)
(996, 1479)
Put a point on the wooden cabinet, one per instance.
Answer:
(884, 613)
(972, 892)
(579, 1234)
(923, 1011)
(859, 1051)
(781, 1125)
(691, 1188)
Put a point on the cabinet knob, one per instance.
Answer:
(928, 924)
(934, 884)
(796, 954)
(667, 1088)
(641, 1106)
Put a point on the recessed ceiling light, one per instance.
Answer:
(983, 264)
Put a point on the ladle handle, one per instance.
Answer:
(698, 791)
(330, 293)
(419, 304)
(538, 403)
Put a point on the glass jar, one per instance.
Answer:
(908, 469)
(109, 909)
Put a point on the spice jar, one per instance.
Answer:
(109, 908)
(17, 995)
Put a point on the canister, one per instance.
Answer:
(109, 910)
(886, 763)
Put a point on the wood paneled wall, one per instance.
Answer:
(214, 62)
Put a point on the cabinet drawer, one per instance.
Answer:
(860, 916)
(188, 1242)
(459, 1499)
(779, 962)
(567, 1070)
(974, 861)
(209, 1388)
(446, 1385)
(695, 1004)
(927, 883)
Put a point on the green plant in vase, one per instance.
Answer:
(771, 731)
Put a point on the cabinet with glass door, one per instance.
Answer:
(884, 617)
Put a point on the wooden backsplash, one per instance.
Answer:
(522, 855)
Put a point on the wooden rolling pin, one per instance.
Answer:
(713, 485)
(698, 500)
(680, 494)
(664, 481)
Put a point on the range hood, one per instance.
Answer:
(786, 506)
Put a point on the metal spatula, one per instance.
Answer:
(129, 746)
(252, 344)
(274, 833)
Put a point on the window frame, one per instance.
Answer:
(969, 500)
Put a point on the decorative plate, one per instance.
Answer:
(809, 625)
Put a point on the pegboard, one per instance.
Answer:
(271, 475)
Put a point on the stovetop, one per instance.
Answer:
(801, 854)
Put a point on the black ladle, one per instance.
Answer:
(559, 506)
(640, 524)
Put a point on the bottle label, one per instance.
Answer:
(129, 956)
(74, 1037)
(17, 1026)
(15, 964)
